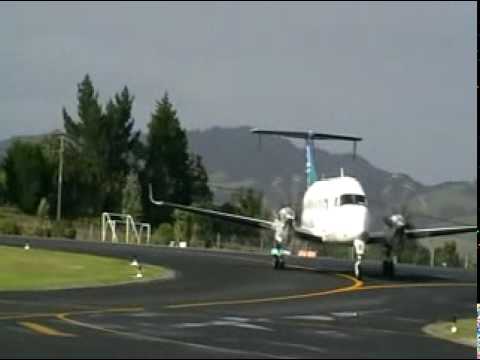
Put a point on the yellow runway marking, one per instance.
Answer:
(81, 312)
(44, 330)
(357, 286)
(416, 285)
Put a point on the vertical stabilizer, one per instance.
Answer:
(309, 137)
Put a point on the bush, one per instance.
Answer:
(9, 227)
(43, 230)
(163, 235)
(64, 230)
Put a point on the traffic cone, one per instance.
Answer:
(134, 261)
(139, 272)
(453, 327)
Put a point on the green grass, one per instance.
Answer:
(466, 331)
(37, 269)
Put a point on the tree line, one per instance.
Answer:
(108, 166)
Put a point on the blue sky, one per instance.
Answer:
(401, 75)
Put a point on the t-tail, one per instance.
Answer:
(310, 137)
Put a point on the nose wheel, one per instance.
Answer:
(359, 246)
(357, 269)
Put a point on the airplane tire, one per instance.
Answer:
(278, 263)
(388, 268)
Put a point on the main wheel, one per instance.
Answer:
(278, 262)
(388, 268)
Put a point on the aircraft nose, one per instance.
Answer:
(361, 223)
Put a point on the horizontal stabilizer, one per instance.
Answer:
(307, 135)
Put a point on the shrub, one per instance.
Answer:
(163, 235)
(9, 227)
(64, 230)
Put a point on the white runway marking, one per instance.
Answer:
(332, 333)
(227, 321)
(311, 317)
(298, 346)
(347, 314)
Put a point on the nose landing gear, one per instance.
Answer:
(359, 246)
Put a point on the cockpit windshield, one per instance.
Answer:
(353, 199)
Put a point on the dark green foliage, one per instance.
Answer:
(103, 151)
(120, 144)
(447, 255)
(247, 202)
(28, 175)
(163, 235)
(63, 230)
(100, 150)
(3, 186)
(174, 175)
(201, 192)
(9, 227)
(414, 253)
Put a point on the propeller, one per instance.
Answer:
(397, 223)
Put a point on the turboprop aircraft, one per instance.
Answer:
(334, 211)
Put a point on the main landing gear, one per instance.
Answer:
(279, 254)
(278, 262)
(388, 265)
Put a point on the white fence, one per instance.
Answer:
(139, 230)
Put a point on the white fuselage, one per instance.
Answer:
(335, 209)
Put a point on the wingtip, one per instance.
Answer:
(152, 200)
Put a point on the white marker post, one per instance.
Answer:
(139, 273)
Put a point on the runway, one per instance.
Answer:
(227, 304)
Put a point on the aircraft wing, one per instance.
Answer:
(381, 237)
(245, 220)
(422, 233)
(378, 237)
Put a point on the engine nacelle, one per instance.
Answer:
(396, 221)
(286, 214)
(396, 228)
(283, 225)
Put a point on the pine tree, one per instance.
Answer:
(85, 189)
(28, 175)
(105, 143)
(131, 196)
(167, 164)
(201, 193)
(120, 145)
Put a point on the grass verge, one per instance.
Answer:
(38, 269)
(466, 331)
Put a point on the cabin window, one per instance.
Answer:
(353, 199)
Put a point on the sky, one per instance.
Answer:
(400, 75)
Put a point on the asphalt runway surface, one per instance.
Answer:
(235, 305)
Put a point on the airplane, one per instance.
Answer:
(335, 211)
